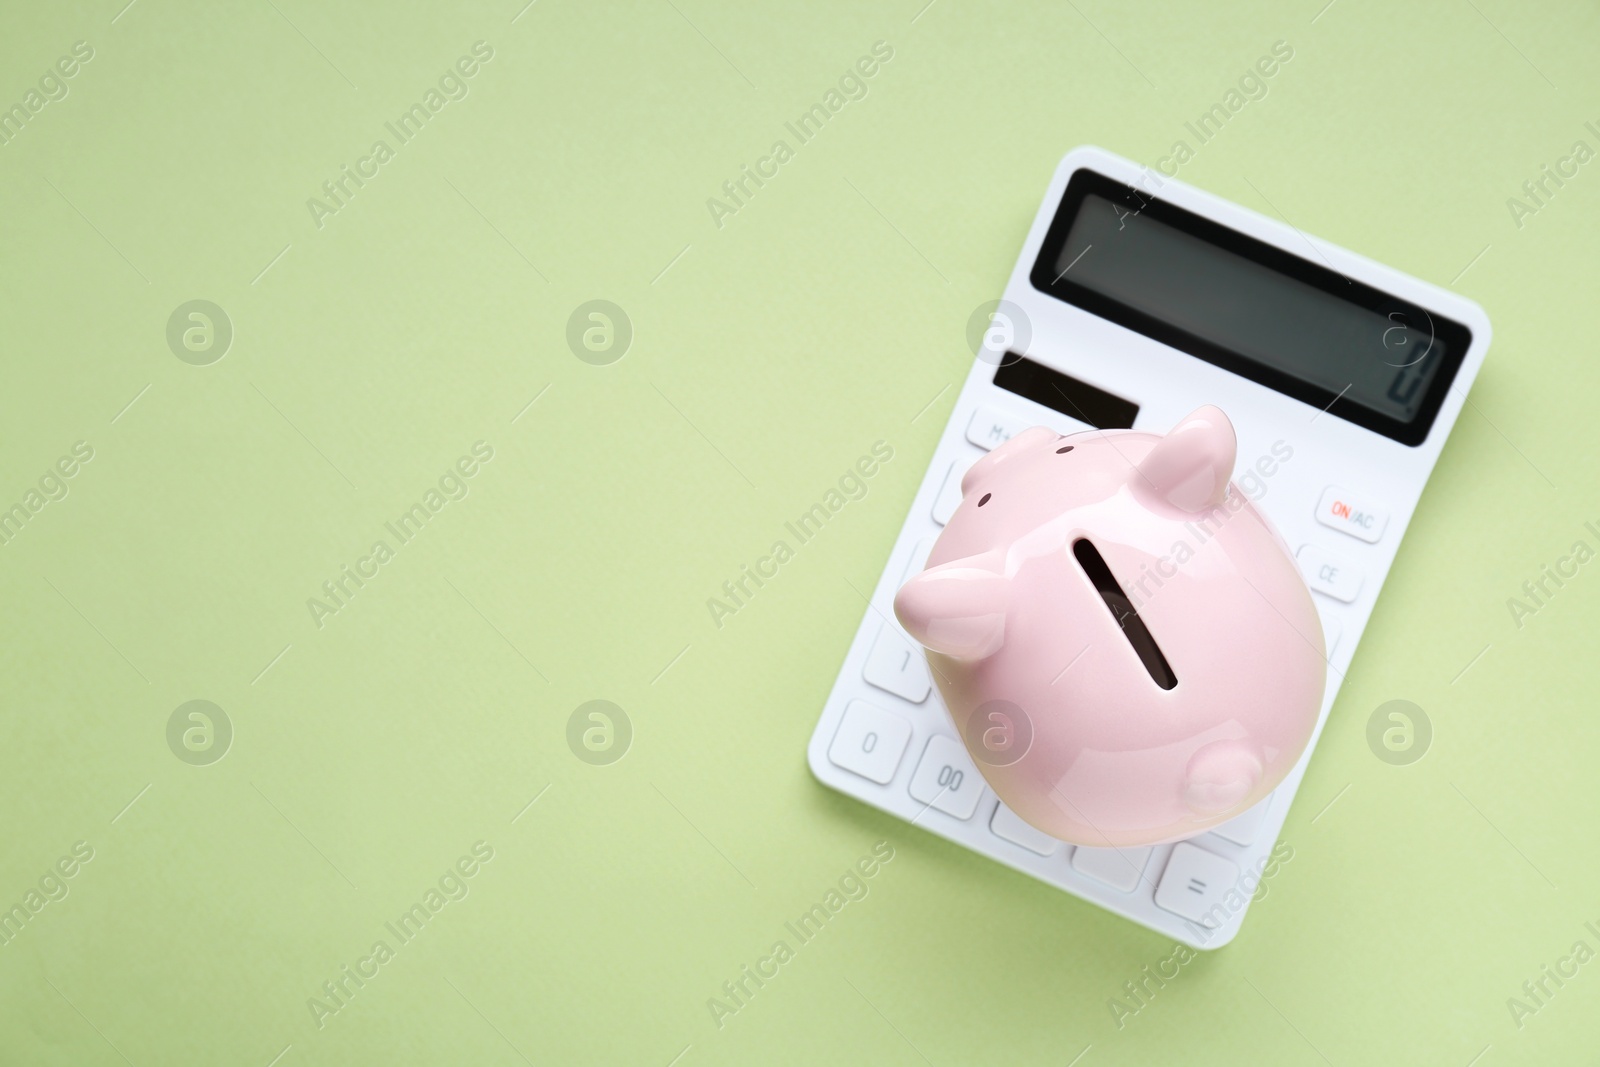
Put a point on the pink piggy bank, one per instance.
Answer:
(1124, 642)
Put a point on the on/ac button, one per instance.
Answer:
(1354, 515)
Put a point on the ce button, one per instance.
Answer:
(1329, 573)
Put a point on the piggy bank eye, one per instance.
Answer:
(985, 499)
(1060, 451)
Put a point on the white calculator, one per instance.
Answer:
(1136, 299)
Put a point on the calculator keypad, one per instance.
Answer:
(870, 742)
(946, 778)
(1329, 573)
(949, 497)
(1008, 825)
(990, 427)
(1352, 514)
(898, 666)
(1195, 884)
(1119, 868)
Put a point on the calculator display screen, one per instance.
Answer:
(1288, 321)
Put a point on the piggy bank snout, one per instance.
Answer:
(958, 608)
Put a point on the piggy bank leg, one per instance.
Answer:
(1220, 775)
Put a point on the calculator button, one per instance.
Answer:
(949, 496)
(1329, 573)
(1195, 883)
(1118, 868)
(991, 427)
(1008, 824)
(1243, 829)
(897, 665)
(870, 742)
(1354, 515)
(919, 559)
(946, 778)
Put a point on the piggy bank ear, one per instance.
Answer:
(957, 608)
(1189, 468)
(986, 466)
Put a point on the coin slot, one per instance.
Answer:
(1121, 608)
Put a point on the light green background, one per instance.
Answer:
(772, 352)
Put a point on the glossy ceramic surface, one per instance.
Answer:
(1124, 642)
